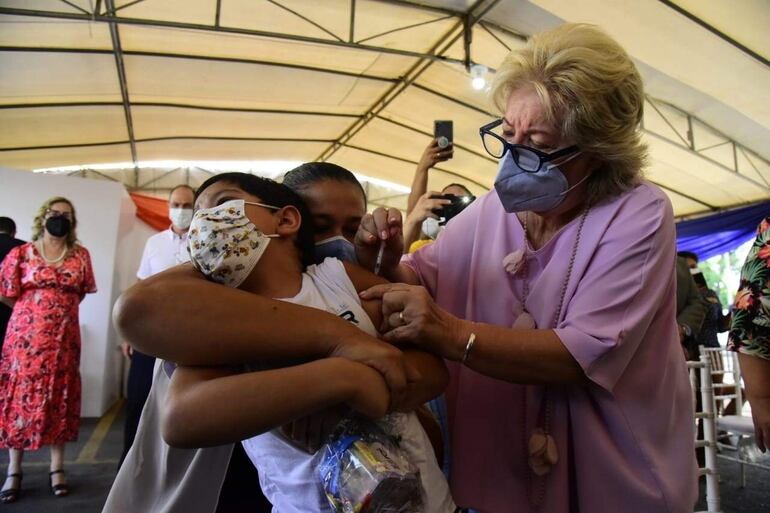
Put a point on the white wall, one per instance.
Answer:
(132, 235)
(109, 229)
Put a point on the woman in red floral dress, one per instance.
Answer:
(45, 281)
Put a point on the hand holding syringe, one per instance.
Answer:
(379, 241)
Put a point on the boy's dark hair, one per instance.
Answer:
(7, 225)
(302, 177)
(277, 195)
(688, 255)
(467, 192)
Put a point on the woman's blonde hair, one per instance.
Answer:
(591, 89)
(39, 223)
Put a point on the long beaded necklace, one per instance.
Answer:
(540, 447)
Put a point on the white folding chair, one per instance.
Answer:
(725, 364)
(705, 416)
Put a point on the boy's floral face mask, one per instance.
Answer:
(224, 244)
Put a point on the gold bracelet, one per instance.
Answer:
(468, 347)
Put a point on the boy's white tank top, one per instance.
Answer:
(288, 475)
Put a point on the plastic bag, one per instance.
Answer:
(363, 470)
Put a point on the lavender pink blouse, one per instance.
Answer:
(625, 440)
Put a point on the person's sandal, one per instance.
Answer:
(11, 494)
(61, 489)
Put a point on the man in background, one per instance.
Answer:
(691, 258)
(8, 241)
(162, 251)
(691, 308)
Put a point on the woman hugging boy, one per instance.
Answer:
(253, 234)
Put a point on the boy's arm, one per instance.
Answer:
(179, 316)
(432, 370)
(209, 406)
(434, 378)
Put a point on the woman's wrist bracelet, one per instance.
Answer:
(468, 347)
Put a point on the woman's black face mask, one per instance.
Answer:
(58, 226)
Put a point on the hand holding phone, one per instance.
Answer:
(456, 205)
(433, 155)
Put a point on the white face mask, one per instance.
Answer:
(431, 228)
(224, 244)
(180, 217)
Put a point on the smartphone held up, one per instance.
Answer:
(443, 132)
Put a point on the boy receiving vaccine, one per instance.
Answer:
(248, 233)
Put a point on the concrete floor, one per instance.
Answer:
(755, 498)
(91, 464)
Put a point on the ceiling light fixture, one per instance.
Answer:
(478, 82)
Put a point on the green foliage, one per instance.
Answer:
(723, 273)
(713, 270)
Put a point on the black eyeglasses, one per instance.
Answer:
(56, 213)
(528, 159)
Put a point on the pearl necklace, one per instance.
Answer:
(41, 250)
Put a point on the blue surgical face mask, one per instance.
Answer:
(520, 190)
(335, 247)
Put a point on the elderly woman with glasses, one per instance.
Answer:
(44, 282)
(553, 298)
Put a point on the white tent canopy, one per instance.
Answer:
(360, 82)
